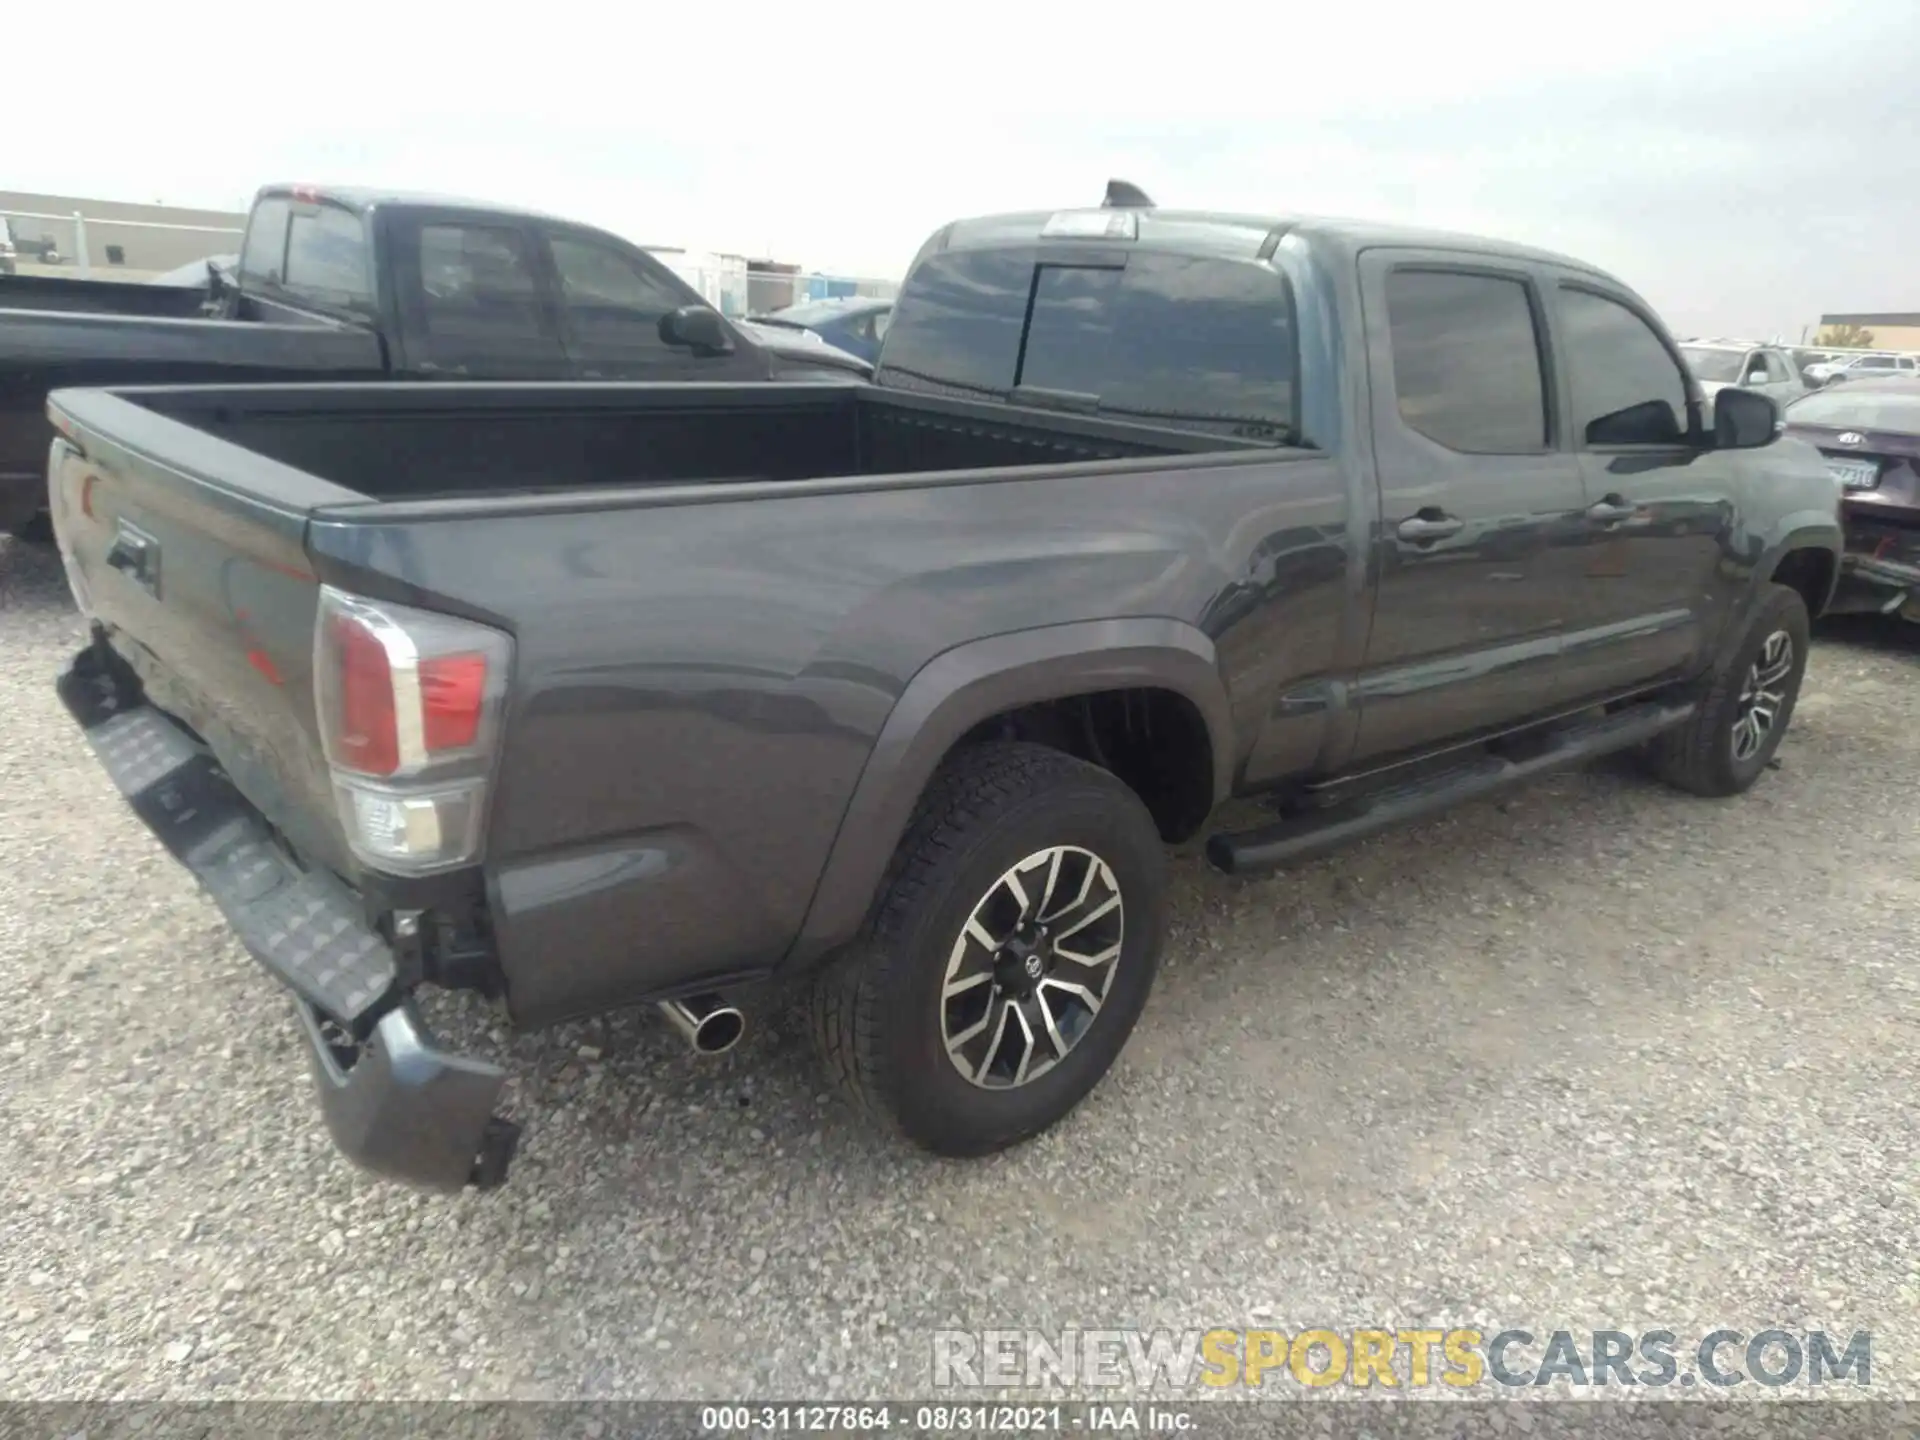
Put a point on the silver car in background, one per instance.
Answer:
(1765, 368)
(1864, 367)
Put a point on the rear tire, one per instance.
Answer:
(1738, 726)
(985, 947)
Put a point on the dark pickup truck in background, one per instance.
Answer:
(339, 284)
(588, 695)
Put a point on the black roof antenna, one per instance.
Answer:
(1123, 195)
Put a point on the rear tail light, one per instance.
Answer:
(409, 705)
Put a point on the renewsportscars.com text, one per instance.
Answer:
(1399, 1358)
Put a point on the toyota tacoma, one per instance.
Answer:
(593, 695)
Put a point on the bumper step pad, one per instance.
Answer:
(302, 926)
(394, 1101)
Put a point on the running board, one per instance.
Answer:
(1300, 837)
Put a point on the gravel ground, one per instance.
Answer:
(1592, 1056)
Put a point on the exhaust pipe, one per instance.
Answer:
(711, 1026)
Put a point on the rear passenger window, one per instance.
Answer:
(1627, 388)
(1466, 361)
(1197, 344)
(478, 290)
(265, 249)
(327, 256)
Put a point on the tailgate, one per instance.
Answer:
(189, 554)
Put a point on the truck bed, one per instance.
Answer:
(439, 442)
(100, 297)
(680, 642)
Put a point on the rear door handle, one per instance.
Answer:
(1424, 528)
(1611, 511)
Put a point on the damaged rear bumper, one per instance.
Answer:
(394, 1101)
(1880, 569)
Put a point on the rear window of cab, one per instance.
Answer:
(1187, 342)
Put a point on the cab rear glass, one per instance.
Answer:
(1187, 342)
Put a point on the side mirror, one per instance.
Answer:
(1756, 377)
(1744, 420)
(697, 327)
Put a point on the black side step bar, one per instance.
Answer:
(1300, 837)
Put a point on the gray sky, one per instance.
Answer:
(1745, 165)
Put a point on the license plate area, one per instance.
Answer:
(1855, 474)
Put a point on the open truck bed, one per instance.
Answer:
(62, 294)
(474, 442)
(706, 601)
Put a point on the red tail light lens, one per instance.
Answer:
(409, 706)
(366, 730)
(453, 690)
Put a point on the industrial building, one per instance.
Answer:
(1890, 329)
(111, 235)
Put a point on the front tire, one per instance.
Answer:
(1738, 726)
(1008, 957)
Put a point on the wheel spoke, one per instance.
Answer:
(1026, 1050)
(995, 1012)
(1776, 660)
(1012, 881)
(1075, 989)
(1104, 956)
(998, 1014)
(966, 983)
(1047, 1019)
(1086, 884)
(1106, 907)
(1053, 883)
(970, 961)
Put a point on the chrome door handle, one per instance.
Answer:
(1611, 511)
(1424, 528)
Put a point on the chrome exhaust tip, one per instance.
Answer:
(711, 1026)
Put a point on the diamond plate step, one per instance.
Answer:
(303, 926)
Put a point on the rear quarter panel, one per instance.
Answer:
(698, 686)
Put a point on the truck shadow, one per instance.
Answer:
(1878, 634)
(31, 580)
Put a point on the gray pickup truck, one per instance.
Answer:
(336, 283)
(590, 695)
